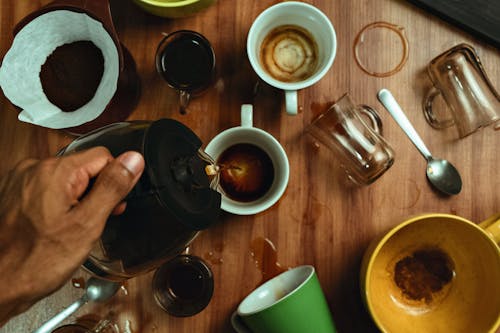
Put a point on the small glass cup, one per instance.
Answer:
(458, 75)
(363, 152)
(183, 286)
(186, 61)
(106, 325)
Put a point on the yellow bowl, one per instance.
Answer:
(434, 273)
(173, 8)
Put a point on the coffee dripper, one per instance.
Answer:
(127, 93)
(172, 201)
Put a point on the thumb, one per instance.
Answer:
(113, 183)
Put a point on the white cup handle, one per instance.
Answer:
(238, 325)
(247, 115)
(291, 102)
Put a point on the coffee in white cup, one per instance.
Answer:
(255, 175)
(291, 46)
(289, 53)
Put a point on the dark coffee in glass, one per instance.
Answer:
(186, 61)
(183, 286)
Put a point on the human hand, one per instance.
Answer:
(47, 228)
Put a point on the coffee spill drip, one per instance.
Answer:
(423, 274)
(214, 256)
(265, 258)
(214, 259)
(78, 283)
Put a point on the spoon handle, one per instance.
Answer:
(389, 102)
(53, 322)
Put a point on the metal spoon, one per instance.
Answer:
(440, 173)
(97, 290)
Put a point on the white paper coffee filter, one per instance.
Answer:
(21, 67)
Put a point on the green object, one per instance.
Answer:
(174, 8)
(292, 302)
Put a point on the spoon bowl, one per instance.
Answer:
(97, 290)
(440, 173)
(444, 176)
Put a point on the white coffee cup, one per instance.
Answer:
(246, 133)
(307, 17)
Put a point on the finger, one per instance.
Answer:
(120, 208)
(91, 160)
(111, 186)
(80, 168)
(14, 173)
(24, 165)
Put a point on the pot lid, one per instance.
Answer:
(177, 174)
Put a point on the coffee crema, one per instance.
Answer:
(247, 172)
(289, 53)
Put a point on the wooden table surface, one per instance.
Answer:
(320, 220)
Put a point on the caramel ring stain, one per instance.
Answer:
(398, 30)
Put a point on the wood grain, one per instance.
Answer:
(320, 220)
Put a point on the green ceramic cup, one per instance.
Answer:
(174, 8)
(292, 302)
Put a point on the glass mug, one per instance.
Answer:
(460, 78)
(106, 325)
(364, 153)
(183, 286)
(186, 61)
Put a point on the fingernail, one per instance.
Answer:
(133, 161)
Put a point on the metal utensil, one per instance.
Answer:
(440, 173)
(97, 290)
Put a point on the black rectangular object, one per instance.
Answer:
(478, 17)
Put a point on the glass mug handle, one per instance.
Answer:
(429, 113)
(376, 122)
(184, 98)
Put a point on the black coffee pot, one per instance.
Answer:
(172, 201)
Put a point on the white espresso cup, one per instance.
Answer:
(247, 134)
(306, 17)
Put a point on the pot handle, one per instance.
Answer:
(373, 116)
(492, 227)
